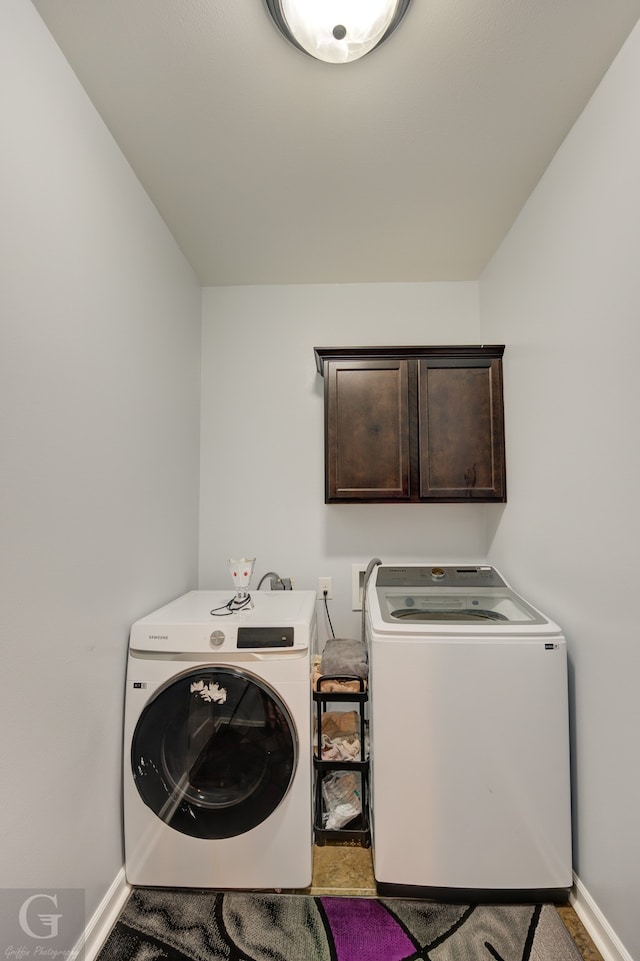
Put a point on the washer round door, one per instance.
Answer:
(214, 753)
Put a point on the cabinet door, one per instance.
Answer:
(461, 429)
(367, 430)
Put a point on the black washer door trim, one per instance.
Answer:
(214, 752)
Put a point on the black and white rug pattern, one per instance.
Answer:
(162, 925)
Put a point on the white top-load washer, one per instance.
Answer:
(217, 743)
(469, 737)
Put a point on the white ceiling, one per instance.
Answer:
(273, 168)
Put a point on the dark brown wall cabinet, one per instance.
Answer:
(413, 424)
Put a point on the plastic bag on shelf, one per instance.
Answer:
(341, 793)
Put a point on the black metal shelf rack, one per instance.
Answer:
(357, 831)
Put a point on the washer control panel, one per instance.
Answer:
(443, 576)
(264, 637)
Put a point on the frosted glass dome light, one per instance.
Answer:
(337, 31)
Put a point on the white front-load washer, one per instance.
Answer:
(469, 728)
(217, 743)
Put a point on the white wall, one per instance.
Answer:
(564, 293)
(99, 403)
(262, 488)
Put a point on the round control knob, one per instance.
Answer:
(217, 639)
(437, 573)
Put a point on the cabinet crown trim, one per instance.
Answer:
(324, 354)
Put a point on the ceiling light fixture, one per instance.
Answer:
(337, 31)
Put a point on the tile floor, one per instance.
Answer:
(348, 870)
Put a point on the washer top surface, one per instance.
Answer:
(438, 599)
(201, 621)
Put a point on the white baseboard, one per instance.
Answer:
(104, 917)
(602, 934)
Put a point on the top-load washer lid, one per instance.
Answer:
(414, 598)
(201, 622)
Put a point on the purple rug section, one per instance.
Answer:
(368, 934)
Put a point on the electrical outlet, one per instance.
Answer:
(325, 584)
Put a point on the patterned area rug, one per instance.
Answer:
(159, 925)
